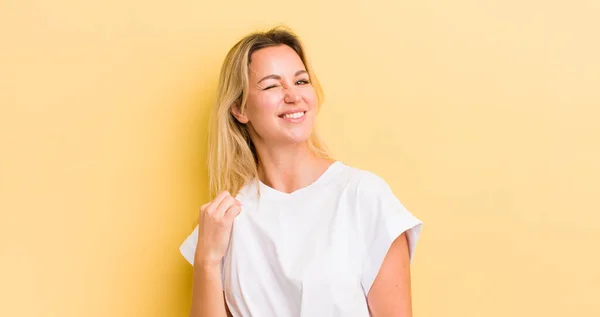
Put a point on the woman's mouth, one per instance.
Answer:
(293, 116)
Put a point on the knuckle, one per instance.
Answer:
(228, 199)
(224, 193)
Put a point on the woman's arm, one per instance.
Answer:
(390, 294)
(214, 232)
(207, 293)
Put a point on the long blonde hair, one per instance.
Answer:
(232, 158)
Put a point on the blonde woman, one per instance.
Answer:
(291, 231)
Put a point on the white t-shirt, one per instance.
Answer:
(313, 252)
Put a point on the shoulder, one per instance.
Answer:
(369, 182)
(365, 182)
(248, 193)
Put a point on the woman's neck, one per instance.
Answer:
(290, 170)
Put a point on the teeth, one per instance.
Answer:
(295, 115)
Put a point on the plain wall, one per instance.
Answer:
(481, 115)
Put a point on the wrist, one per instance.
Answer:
(207, 265)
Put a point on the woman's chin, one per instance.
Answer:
(299, 136)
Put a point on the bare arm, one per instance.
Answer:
(390, 294)
(207, 293)
(214, 231)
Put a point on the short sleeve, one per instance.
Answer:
(383, 218)
(188, 247)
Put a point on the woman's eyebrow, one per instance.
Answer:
(302, 71)
(273, 76)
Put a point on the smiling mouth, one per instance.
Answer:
(295, 115)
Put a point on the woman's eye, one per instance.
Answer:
(269, 87)
(302, 82)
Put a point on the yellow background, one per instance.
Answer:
(482, 116)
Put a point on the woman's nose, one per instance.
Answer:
(291, 96)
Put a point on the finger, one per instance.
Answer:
(220, 196)
(203, 207)
(216, 201)
(203, 210)
(232, 212)
(225, 204)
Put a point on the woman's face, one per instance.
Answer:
(281, 104)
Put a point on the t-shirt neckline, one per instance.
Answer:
(269, 192)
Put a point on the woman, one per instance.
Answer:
(291, 231)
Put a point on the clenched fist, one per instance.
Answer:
(214, 229)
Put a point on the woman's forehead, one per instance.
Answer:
(275, 59)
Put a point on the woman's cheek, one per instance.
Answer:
(309, 94)
(270, 102)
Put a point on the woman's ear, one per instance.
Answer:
(241, 117)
